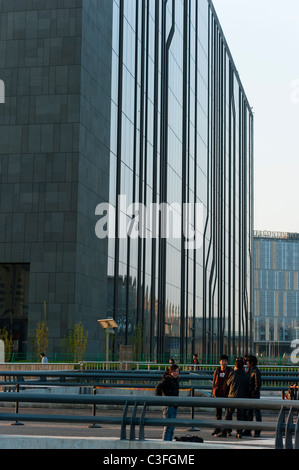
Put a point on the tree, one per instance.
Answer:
(138, 346)
(77, 342)
(8, 343)
(41, 333)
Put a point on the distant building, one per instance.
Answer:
(276, 291)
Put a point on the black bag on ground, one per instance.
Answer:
(189, 439)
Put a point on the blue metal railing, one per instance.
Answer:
(284, 431)
(200, 380)
(190, 380)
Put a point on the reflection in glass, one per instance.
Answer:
(181, 127)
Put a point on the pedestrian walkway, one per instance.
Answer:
(62, 435)
(87, 443)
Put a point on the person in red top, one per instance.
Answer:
(195, 361)
(219, 387)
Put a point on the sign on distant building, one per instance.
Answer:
(269, 234)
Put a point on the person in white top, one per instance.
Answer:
(44, 358)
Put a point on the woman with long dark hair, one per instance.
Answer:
(169, 387)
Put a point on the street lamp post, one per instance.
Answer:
(108, 324)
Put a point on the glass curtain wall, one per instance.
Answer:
(181, 133)
(276, 292)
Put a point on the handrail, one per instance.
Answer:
(133, 374)
(196, 380)
(133, 365)
(184, 375)
(135, 386)
(183, 366)
(64, 398)
(30, 366)
(282, 430)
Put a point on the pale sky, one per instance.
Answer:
(263, 37)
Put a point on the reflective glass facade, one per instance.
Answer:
(276, 292)
(181, 132)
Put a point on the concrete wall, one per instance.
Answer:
(54, 134)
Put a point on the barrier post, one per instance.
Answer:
(17, 423)
(94, 392)
(192, 412)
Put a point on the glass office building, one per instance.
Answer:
(139, 99)
(276, 292)
(181, 132)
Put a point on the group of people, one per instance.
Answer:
(241, 381)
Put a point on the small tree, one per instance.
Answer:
(41, 333)
(8, 343)
(77, 342)
(138, 346)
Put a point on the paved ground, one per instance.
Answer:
(113, 431)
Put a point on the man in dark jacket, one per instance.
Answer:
(255, 383)
(219, 387)
(238, 387)
(169, 387)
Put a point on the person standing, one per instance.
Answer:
(246, 359)
(255, 383)
(238, 387)
(195, 361)
(220, 389)
(169, 387)
(43, 358)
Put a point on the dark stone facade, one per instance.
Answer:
(54, 157)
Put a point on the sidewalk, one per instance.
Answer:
(61, 435)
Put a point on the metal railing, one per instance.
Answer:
(286, 429)
(132, 366)
(148, 365)
(200, 380)
(67, 369)
(142, 358)
(147, 380)
(27, 366)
